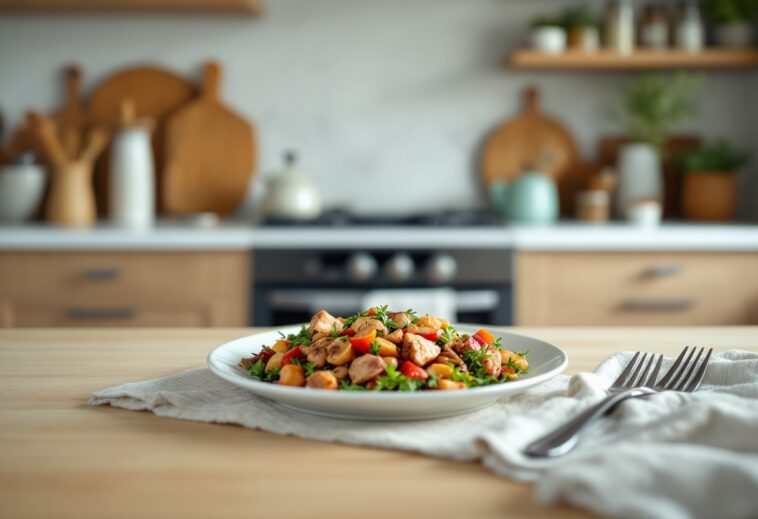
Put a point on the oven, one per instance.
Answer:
(292, 284)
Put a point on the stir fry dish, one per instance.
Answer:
(381, 350)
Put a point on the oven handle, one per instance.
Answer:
(349, 301)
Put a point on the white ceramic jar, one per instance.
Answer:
(640, 176)
(21, 188)
(132, 179)
(551, 40)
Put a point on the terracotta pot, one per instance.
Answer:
(72, 197)
(709, 195)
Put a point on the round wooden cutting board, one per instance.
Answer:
(210, 154)
(530, 140)
(156, 93)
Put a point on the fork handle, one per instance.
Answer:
(565, 437)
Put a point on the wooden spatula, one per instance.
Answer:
(210, 153)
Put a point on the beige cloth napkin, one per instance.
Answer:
(671, 455)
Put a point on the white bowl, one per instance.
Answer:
(545, 362)
(21, 190)
(551, 40)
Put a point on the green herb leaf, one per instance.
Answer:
(374, 348)
(347, 385)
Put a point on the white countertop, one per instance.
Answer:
(238, 236)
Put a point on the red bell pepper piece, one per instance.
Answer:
(432, 336)
(294, 353)
(347, 332)
(410, 370)
(371, 312)
(361, 345)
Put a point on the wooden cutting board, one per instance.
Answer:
(530, 140)
(210, 154)
(156, 93)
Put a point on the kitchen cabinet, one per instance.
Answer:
(84, 289)
(252, 7)
(636, 288)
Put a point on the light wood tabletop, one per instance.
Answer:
(62, 458)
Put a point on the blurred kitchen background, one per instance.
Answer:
(238, 162)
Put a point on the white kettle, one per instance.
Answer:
(292, 194)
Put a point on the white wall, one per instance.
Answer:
(386, 101)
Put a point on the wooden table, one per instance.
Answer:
(61, 458)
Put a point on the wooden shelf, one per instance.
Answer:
(528, 59)
(249, 7)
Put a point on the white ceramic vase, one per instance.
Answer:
(132, 179)
(21, 190)
(551, 40)
(640, 176)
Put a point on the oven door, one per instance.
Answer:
(276, 306)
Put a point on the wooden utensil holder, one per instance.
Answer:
(71, 202)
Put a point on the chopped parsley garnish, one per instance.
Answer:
(394, 380)
(346, 385)
(258, 370)
(447, 336)
(308, 367)
(302, 338)
(374, 348)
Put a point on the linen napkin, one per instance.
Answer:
(671, 455)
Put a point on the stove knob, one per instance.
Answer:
(441, 268)
(400, 267)
(361, 267)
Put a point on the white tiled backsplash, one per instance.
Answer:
(387, 102)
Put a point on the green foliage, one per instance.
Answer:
(302, 338)
(547, 21)
(716, 156)
(396, 380)
(579, 18)
(346, 385)
(731, 11)
(655, 104)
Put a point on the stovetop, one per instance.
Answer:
(339, 218)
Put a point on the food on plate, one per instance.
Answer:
(381, 350)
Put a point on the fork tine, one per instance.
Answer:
(672, 369)
(681, 371)
(632, 380)
(622, 376)
(650, 382)
(700, 375)
(692, 367)
(643, 376)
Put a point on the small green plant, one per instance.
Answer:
(546, 21)
(654, 105)
(731, 11)
(718, 156)
(579, 18)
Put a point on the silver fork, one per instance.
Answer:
(636, 380)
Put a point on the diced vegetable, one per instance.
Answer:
(362, 345)
(386, 348)
(447, 385)
(371, 312)
(274, 362)
(440, 370)
(433, 336)
(322, 380)
(294, 353)
(411, 370)
(281, 346)
(486, 336)
(292, 375)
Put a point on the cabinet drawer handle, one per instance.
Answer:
(88, 314)
(666, 305)
(664, 271)
(101, 274)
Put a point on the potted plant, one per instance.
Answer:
(733, 21)
(710, 184)
(548, 35)
(583, 29)
(652, 106)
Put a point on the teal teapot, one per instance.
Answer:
(531, 199)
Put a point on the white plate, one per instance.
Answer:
(545, 362)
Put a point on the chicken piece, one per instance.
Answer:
(448, 356)
(395, 337)
(468, 344)
(340, 372)
(322, 380)
(420, 330)
(401, 319)
(429, 321)
(363, 326)
(418, 350)
(492, 365)
(365, 368)
(340, 352)
(447, 385)
(317, 355)
(323, 321)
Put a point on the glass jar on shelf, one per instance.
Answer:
(619, 26)
(689, 34)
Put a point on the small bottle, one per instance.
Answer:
(619, 26)
(689, 33)
(132, 175)
(654, 29)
